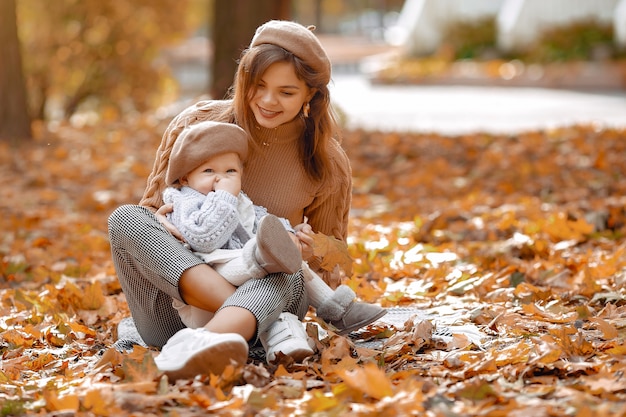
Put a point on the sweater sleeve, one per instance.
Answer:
(201, 111)
(330, 211)
(206, 222)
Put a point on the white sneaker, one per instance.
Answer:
(192, 352)
(286, 335)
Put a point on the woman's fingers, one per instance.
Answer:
(306, 243)
(165, 208)
(160, 215)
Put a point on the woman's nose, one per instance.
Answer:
(268, 97)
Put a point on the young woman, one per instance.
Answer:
(295, 169)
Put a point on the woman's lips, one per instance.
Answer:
(267, 113)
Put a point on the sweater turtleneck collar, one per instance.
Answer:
(284, 133)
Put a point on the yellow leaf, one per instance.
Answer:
(4, 378)
(93, 297)
(617, 349)
(321, 402)
(369, 379)
(333, 252)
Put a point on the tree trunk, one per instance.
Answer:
(233, 28)
(14, 119)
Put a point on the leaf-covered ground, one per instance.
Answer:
(520, 237)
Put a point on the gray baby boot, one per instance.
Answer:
(346, 314)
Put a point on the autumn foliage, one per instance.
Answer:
(520, 236)
(98, 55)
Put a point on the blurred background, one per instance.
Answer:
(89, 60)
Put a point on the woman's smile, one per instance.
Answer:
(268, 113)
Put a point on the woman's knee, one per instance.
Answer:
(124, 220)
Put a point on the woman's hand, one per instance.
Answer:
(160, 215)
(304, 233)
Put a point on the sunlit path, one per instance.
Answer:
(463, 109)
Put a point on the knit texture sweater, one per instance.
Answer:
(218, 220)
(274, 176)
(207, 222)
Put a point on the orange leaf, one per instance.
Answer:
(333, 252)
(369, 379)
(97, 404)
(562, 228)
(41, 242)
(608, 331)
(534, 310)
(54, 402)
(140, 370)
(79, 328)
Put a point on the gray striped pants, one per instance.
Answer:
(149, 262)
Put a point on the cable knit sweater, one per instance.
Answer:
(274, 176)
(218, 220)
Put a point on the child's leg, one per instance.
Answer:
(238, 266)
(270, 251)
(231, 264)
(316, 287)
(338, 307)
(241, 268)
(192, 317)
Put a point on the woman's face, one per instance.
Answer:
(279, 96)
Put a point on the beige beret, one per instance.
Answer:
(297, 39)
(199, 142)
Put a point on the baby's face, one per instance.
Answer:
(221, 172)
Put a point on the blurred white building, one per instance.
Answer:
(422, 23)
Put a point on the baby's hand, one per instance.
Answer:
(304, 228)
(228, 184)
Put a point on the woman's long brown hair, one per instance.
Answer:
(321, 125)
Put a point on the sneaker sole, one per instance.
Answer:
(301, 354)
(212, 360)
